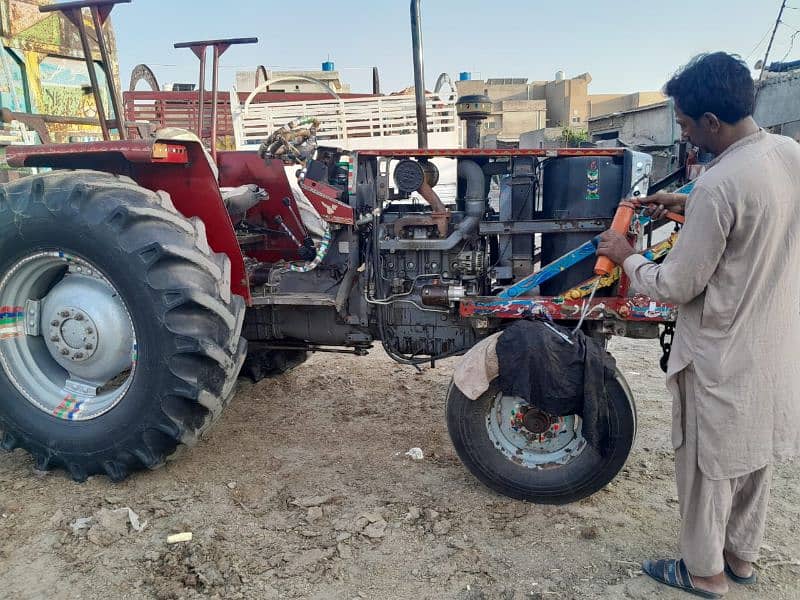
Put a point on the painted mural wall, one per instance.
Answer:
(42, 70)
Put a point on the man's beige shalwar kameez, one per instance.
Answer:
(734, 371)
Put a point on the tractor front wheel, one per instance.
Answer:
(530, 455)
(119, 335)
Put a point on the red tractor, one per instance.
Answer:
(138, 278)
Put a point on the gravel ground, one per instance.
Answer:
(303, 490)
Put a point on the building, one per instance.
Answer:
(300, 82)
(520, 106)
(547, 137)
(604, 104)
(650, 129)
(777, 104)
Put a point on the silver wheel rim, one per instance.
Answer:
(67, 341)
(557, 442)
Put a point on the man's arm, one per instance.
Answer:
(656, 205)
(689, 266)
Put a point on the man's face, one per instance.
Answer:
(700, 132)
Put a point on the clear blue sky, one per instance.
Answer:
(625, 45)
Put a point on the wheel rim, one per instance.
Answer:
(67, 341)
(531, 438)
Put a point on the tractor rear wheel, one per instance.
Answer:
(529, 455)
(119, 335)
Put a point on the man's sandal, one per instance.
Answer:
(675, 574)
(738, 578)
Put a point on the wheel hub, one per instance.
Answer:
(536, 421)
(89, 331)
(531, 437)
(73, 334)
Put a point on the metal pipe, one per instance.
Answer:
(116, 104)
(214, 85)
(201, 93)
(419, 75)
(475, 201)
(376, 81)
(77, 18)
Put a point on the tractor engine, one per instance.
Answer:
(427, 257)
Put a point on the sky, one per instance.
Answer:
(626, 46)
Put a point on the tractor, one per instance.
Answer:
(140, 277)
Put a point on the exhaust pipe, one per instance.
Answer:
(419, 75)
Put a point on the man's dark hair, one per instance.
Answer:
(717, 83)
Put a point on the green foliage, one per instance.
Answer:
(572, 138)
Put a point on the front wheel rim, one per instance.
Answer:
(67, 340)
(550, 442)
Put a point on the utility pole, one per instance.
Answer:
(769, 47)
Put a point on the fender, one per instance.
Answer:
(179, 168)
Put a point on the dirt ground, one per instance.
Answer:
(304, 491)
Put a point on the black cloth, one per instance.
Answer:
(558, 378)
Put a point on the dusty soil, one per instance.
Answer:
(303, 491)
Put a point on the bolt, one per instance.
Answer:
(64, 351)
(88, 346)
(54, 322)
(79, 317)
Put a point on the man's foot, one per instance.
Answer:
(741, 571)
(675, 574)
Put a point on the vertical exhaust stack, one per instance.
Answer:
(474, 109)
(419, 75)
(376, 81)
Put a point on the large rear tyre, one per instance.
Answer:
(528, 455)
(119, 336)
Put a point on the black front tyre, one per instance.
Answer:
(551, 465)
(119, 335)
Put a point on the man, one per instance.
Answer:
(733, 372)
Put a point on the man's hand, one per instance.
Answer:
(656, 205)
(615, 246)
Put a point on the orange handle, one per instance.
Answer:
(675, 217)
(620, 224)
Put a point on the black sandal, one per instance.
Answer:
(675, 574)
(738, 578)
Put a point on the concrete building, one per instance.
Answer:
(520, 106)
(568, 101)
(778, 104)
(650, 129)
(517, 105)
(290, 81)
(604, 104)
(548, 137)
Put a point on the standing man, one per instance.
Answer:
(733, 371)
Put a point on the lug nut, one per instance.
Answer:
(54, 322)
(65, 313)
(78, 355)
(88, 346)
(79, 317)
(65, 352)
(54, 338)
(89, 331)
